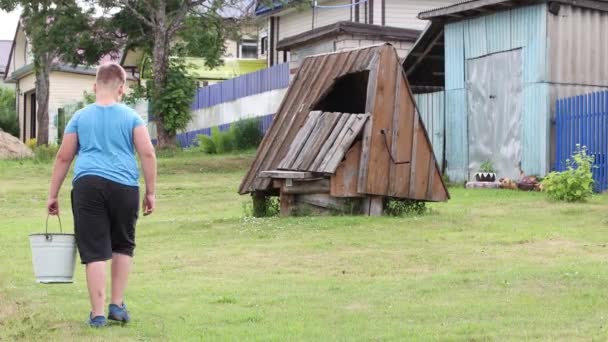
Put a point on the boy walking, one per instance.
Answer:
(105, 194)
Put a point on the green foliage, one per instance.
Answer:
(31, 143)
(487, 166)
(404, 207)
(44, 154)
(270, 207)
(247, 133)
(9, 121)
(576, 183)
(175, 98)
(223, 140)
(206, 144)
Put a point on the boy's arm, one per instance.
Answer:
(67, 151)
(144, 148)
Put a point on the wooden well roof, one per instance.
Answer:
(328, 93)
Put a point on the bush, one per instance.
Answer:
(223, 140)
(404, 207)
(247, 133)
(31, 143)
(45, 154)
(576, 183)
(206, 144)
(9, 122)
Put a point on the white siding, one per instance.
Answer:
(404, 13)
(297, 21)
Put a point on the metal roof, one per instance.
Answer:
(478, 7)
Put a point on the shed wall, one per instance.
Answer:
(520, 28)
(431, 107)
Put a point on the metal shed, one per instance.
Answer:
(505, 64)
(347, 129)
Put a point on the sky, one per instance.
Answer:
(8, 24)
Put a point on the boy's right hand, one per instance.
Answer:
(149, 204)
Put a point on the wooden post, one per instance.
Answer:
(259, 204)
(287, 202)
(373, 206)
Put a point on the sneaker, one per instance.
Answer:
(118, 313)
(97, 321)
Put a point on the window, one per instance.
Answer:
(249, 48)
(264, 45)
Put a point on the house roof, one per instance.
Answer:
(470, 8)
(232, 67)
(5, 51)
(372, 32)
(29, 68)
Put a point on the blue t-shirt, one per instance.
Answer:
(105, 142)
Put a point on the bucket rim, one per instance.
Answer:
(54, 234)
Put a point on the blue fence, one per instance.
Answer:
(276, 77)
(189, 138)
(583, 120)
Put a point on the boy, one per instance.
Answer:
(105, 195)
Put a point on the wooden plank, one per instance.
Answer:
(402, 149)
(424, 152)
(259, 204)
(378, 167)
(300, 140)
(395, 133)
(341, 147)
(349, 123)
(376, 207)
(344, 181)
(414, 145)
(293, 116)
(303, 76)
(370, 104)
(323, 201)
(315, 166)
(320, 186)
(311, 150)
(286, 174)
(324, 79)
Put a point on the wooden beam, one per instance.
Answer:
(320, 186)
(286, 174)
(424, 53)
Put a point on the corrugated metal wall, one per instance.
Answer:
(525, 28)
(431, 107)
(576, 56)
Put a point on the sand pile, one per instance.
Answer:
(12, 148)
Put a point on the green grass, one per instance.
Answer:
(488, 265)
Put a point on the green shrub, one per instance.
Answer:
(45, 154)
(404, 207)
(223, 140)
(206, 144)
(247, 133)
(576, 183)
(9, 121)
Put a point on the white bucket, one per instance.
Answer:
(53, 256)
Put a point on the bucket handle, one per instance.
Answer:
(46, 231)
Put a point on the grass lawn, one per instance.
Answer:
(488, 265)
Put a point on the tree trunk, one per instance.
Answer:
(160, 56)
(42, 101)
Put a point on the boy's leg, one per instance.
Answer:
(121, 267)
(123, 207)
(96, 282)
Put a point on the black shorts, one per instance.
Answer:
(105, 214)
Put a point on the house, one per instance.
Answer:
(500, 67)
(67, 85)
(295, 30)
(241, 56)
(346, 135)
(5, 51)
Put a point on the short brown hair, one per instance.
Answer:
(111, 75)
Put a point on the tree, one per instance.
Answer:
(59, 32)
(8, 114)
(166, 28)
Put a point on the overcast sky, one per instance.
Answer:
(8, 25)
